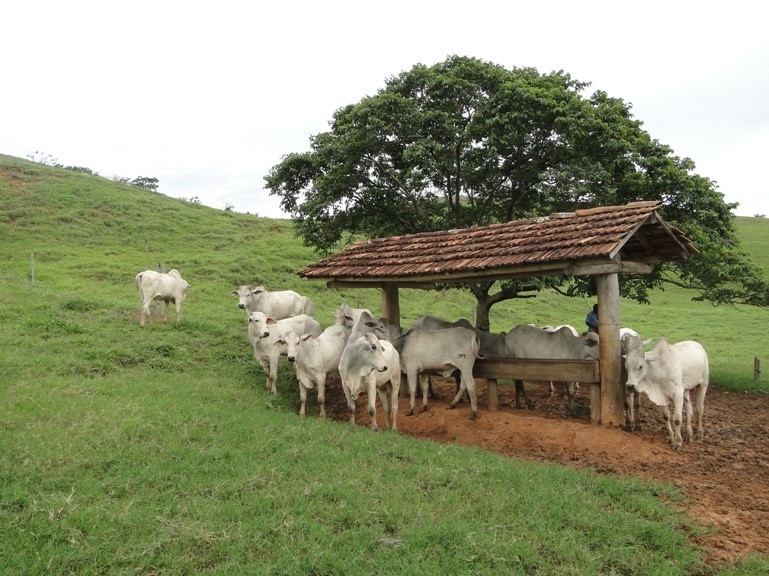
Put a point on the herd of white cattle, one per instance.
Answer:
(367, 354)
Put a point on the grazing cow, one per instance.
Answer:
(265, 332)
(371, 365)
(670, 372)
(440, 352)
(166, 287)
(315, 358)
(277, 305)
(527, 341)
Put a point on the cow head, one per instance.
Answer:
(258, 324)
(243, 294)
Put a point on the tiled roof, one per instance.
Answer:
(562, 243)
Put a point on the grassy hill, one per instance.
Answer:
(158, 451)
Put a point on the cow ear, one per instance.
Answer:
(653, 357)
(234, 293)
(305, 337)
(271, 320)
(645, 342)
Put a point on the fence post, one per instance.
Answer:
(756, 368)
(32, 266)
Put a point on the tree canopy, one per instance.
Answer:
(467, 142)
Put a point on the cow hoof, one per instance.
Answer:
(423, 409)
(452, 406)
(409, 412)
(473, 415)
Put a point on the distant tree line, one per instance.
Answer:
(145, 182)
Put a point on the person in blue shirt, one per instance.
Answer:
(592, 319)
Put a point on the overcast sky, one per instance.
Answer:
(208, 96)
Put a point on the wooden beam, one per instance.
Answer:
(538, 370)
(350, 284)
(612, 268)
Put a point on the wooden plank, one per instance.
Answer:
(540, 370)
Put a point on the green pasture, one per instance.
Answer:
(159, 451)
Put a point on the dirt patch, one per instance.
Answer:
(725, 478)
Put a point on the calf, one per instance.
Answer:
(166, 287)
(441, 352)
(315, 358)
(371, 365)
(670, 372)
(265, 333)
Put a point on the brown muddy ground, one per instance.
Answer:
(725, 478)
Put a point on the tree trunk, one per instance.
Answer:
(482, 313)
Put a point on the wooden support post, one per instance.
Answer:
(612, 396)
(391, 308)
(491, 384)
(756, 368)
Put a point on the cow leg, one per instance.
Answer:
(411, 380)
(468, 383)
(678, 405)
(382, 393)
(457, 375)
(273, 372)
(665, 411)
(630, 422)
(423, 385)
(395, 386)
(350, 402)
(302, 397)
(145, 313)
(699, 407)
(178, 306)
(372, 394)
(322, 396)
(520, 390)
(688, 408)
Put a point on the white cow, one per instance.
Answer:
(166, 287)
(527, 341)
(669, 372)
(563, 389)
(371, 365)
(315, 358)
(348, 315)
(264, 333)
(278, 305)
(435, 323)
(440, 352)
(630, 340)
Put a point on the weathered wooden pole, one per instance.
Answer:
(612, 397)
(391, 308)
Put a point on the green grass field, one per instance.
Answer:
(158, 451)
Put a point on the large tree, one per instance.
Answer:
(467, 142)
